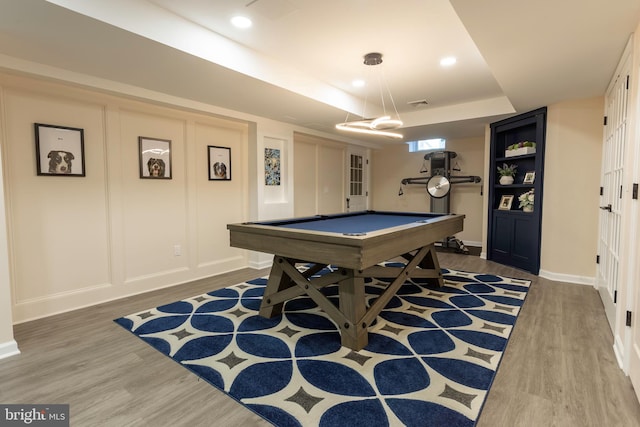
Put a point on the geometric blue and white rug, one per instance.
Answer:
(431, 358)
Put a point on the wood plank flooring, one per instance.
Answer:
(559, 368)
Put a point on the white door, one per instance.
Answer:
(357, 185)
(634, 285)
(634, 347)
(613, 152)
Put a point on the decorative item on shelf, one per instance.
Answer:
(521, 148)
(529, 177)
(526, 201)
(507, 172)
(505, 202)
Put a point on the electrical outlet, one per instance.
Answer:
(177, 250)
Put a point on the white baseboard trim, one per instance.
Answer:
(259, 265)
(618, 350)
(568, 278)
(8, 349)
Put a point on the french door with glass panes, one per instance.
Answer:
(357, 184)
(613, 155)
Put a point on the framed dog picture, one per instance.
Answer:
(505, 202)
(59, 150)
(219, 163)
(529, 177)
(155, 158)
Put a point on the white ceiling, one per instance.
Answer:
(297, 62)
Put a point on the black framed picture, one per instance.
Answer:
(219, 163)
(155, 158)
(59, 150)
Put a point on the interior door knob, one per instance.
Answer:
(606, 208)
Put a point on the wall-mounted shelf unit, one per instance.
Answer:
(513, 234)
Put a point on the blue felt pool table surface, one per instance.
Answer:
(355, 223)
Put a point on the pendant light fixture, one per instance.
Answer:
(384, 124)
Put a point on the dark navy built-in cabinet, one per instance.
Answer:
(513, 233)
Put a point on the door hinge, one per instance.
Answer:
(634, 193)
(627, 82)
(601, 191)
(597, 259)
(621, 191)
(615, 297)
(628, 323)
(605, 120)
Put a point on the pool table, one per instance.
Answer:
(354, 244)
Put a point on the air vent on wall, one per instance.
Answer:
(418, 102)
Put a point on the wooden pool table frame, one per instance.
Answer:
(355, 258)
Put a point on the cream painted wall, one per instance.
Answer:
(485, 187)
(573, 157)
(269, 201)
(8, 346)
(305, 197)
(331, 179)
(394, 162)
(320, 175)
(77, 241)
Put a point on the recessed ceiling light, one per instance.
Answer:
(448, 61)
(358, 83)
(241, 21)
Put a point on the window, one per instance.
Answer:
(427, 144)
(357, 172)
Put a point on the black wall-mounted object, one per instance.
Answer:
(438, 185)
(513, 236)
(441, 172)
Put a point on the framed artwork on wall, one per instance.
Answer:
(59, 150)
(271, 166)
(219, 163)
(155, 158)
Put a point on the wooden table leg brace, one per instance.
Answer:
(352, 316)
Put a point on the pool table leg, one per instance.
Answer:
(278, 281)
(354, 334)
(281, 286)
(430, 262)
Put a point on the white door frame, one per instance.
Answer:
(627, 334)
(630, 339)
(611, 191)
(357, 180)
